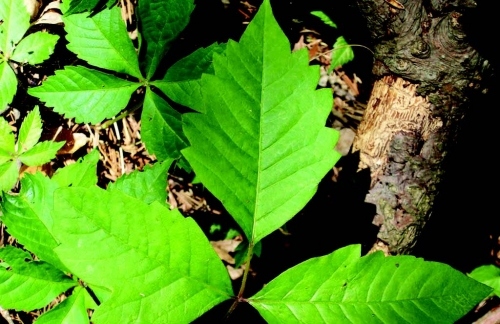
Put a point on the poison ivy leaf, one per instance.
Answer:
(35, 48)
(143, 253)
(72, 310)
(342, 53)
(30, 131)
(7, 141)
(324, 18)
(105, 42)
(15, 22)
(8, 175)
(261, 147)
(83, 173)
(182, 81)
(161, 128)
(488, 275)
(8, 84)
(27, 284)
(88, 95)
(41, 153)
(28, 216)
(78, 6)
(370, 289)
(160, 21)
(148, 186)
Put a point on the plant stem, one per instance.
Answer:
(124, 114)
(240, 298)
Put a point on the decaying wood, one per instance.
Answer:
(426, 71)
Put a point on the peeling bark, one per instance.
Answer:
(426, 72)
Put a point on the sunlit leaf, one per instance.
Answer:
(261, 147)
(343, 287)
(83, 173)
(30, 132)
(41, 153)
(35, 48)
(7, 141)
(9, 173)
(488, 275)
(342, 53)
(15, 22)
(72, 310)
(8, 85)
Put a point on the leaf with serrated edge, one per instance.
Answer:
(35, 48)
(15, 22)
(343, 287)
(72, 310)
(28, 216)
(160, 21)
(8, 85)
(8, 175)
(83, 173)
(30, 132)
(28, 284)
(161, 128)
(148, 185)
(159, 265)
(321, 15)
(7, 139)
(488, 275)
(182, 81)
(261, 148)
(342, 53)
(77, 6)
(88, 95)
(105, 42)
(41, 153)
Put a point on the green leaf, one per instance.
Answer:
(28, 216)
(30, 132)
(488, 275)
(182, 83)
(324, 18)
(78, 6)
(8, 175)
(8, 84)
(41, 153)
(148, 186)
(161, 128)
(7, 141)
(35, 48)
(72, 310)
(342, 53)
(261, 148)
(159, 265)
(105, 42)
(343, 287)
(83, 173)
(16, 21)
(27, 284)
(88, 95)
(160, 21)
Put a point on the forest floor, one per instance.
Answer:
(311, 232)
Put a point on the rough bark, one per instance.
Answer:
(426, 71)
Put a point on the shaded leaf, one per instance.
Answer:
(15, 22)
(35, 48)
(30, 131)
(182, 81)
(87, 95)
(343, 287)
(488, 275)
(27, 284)
(142, 253)
(72, 310)
(261, 147)
(160, 21)
(78, 6)
(342, 53)
(41, 153)
(28, 216)
(148, 186)
(105, 42)
(83, 173)
(161, 128)
(8, 85)
(8, 175)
